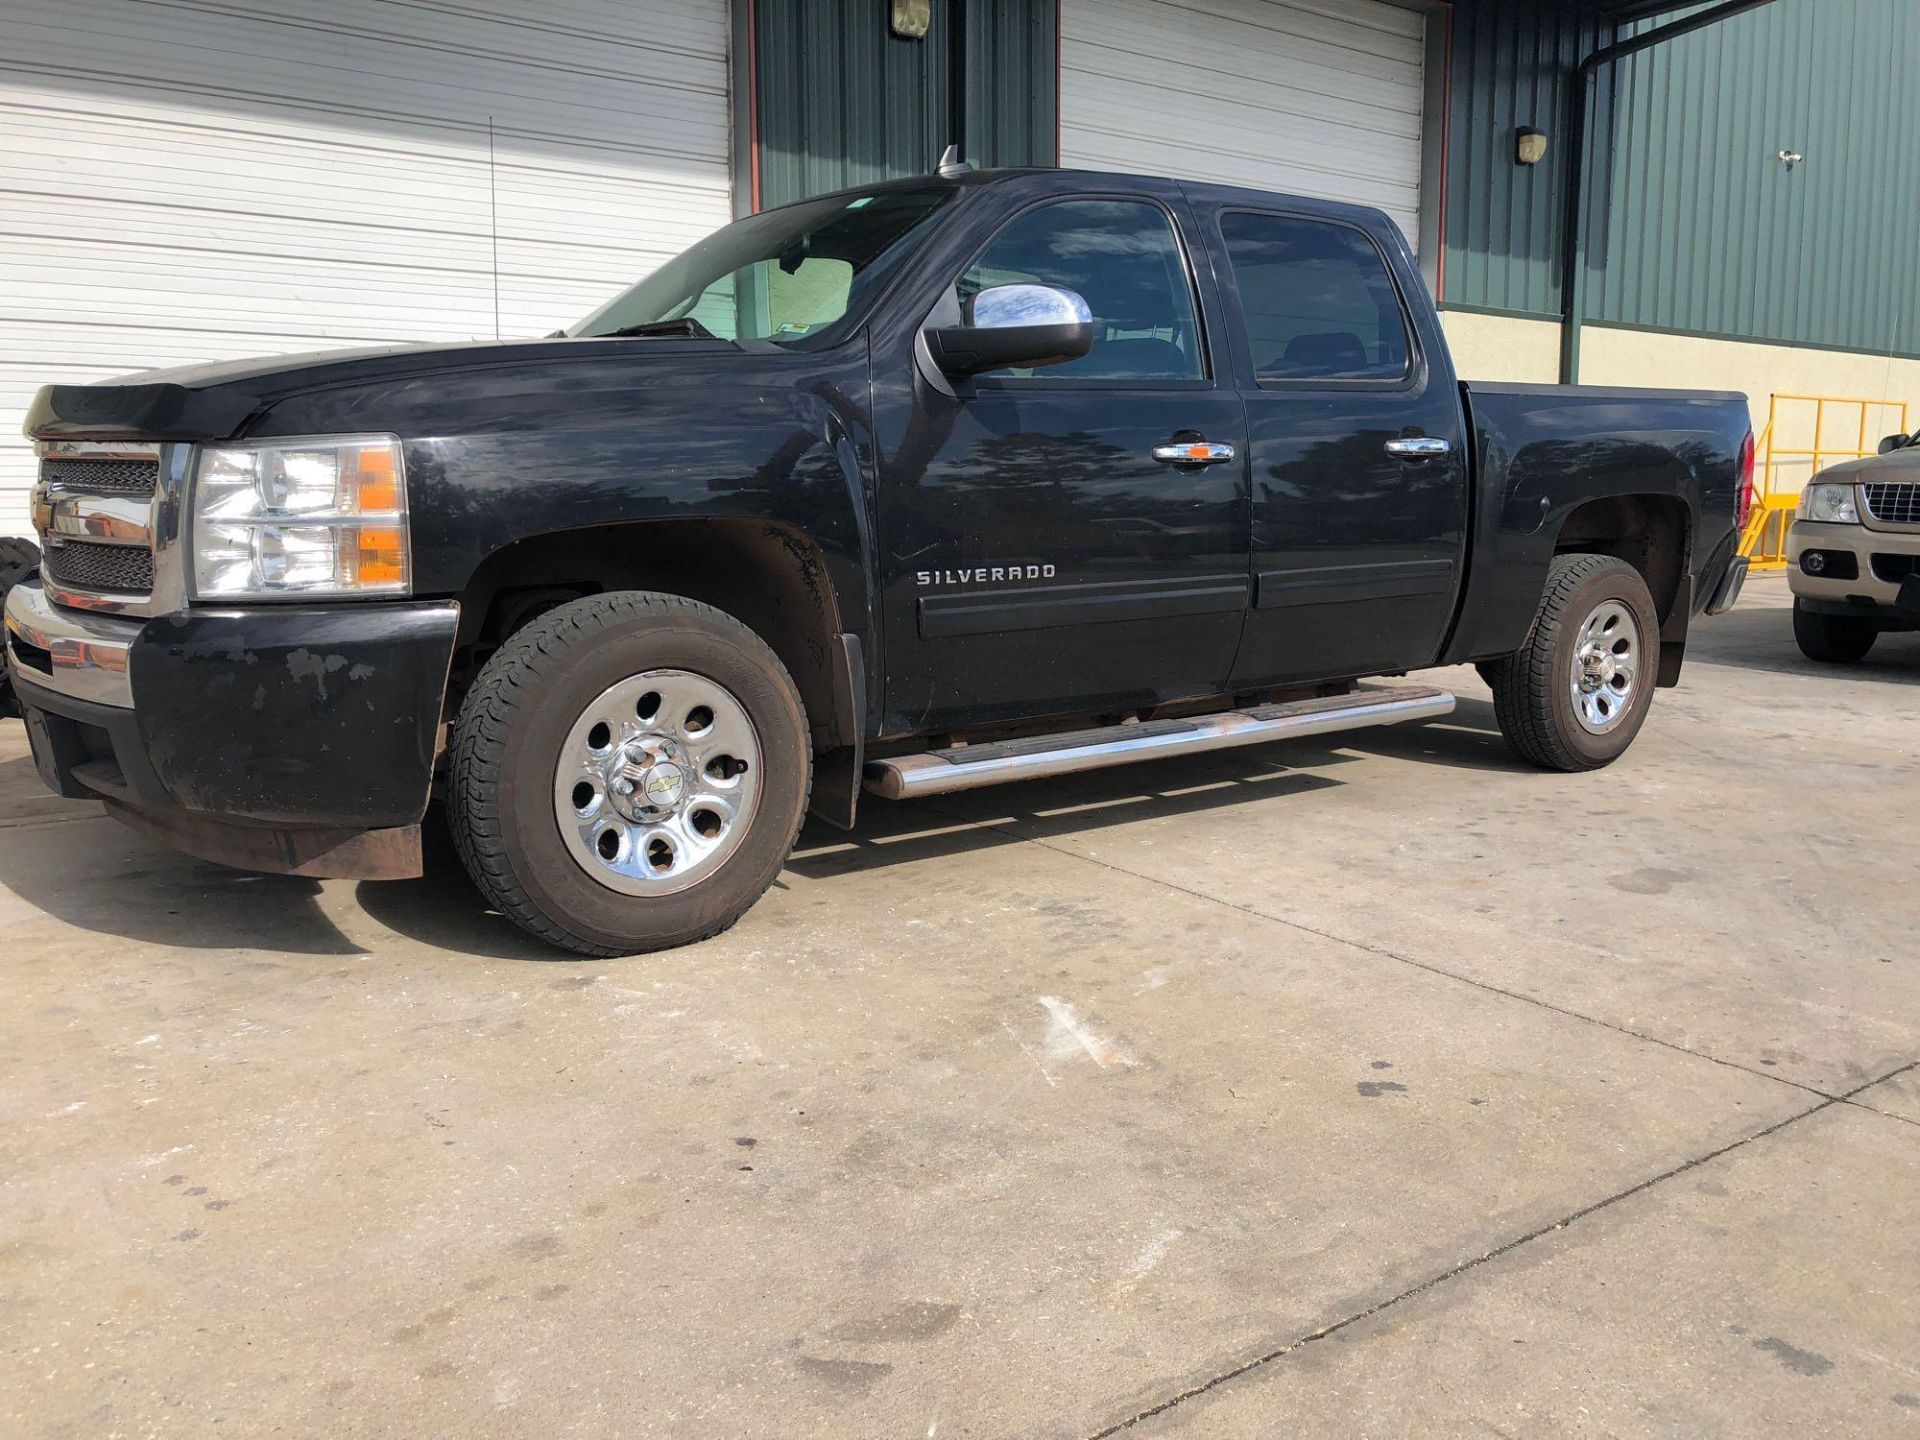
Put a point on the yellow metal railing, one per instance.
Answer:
(1764, 541)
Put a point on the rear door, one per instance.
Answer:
(1356, 440)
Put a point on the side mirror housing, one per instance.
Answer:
(1013, 325)
(1894, 442)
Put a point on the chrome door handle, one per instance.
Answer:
(1193, 452)
(1420, 447)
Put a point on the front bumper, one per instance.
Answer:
(1860, 569)
(292, 738)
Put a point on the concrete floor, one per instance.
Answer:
(1375, 1087)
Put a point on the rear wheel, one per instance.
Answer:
(628, 773)
(1577, 694)
(1832, 639)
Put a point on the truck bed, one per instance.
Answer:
(1543, 452)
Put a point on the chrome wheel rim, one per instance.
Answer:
(657, 782)
(1606, 668)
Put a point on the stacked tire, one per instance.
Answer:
(18, 559)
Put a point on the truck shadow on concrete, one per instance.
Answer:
(67, 859)
(152, 895)
(443, 909)
(944, 825)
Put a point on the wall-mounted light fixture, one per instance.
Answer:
(1529, 145)
(911, 18)
(1791, 158)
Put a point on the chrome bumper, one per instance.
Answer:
(70, 652)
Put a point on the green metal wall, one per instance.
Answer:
(1013, 81)
(1698, 226)
(1708, 232)
(1511, 61)
(840, 100)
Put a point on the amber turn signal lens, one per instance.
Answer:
(379, 555)
(376, 484)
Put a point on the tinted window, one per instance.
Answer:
(1121, 257)
(1319, 302)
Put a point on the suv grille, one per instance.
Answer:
(84, 565)
(1893, 504)
(103, 477)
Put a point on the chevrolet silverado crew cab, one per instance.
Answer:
(1854, 543)
(924, 486)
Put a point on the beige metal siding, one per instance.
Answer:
(1313, 97)
(245, 177)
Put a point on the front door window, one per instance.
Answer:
(1122, 258)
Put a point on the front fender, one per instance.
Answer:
(504, 454)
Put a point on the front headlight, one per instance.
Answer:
(1829, 504)
(300, 517)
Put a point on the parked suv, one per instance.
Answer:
(1854, 541)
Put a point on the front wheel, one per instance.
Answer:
(1575, 696)
(1832, 639)
(628, 773)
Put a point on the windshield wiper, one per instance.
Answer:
(687, 328)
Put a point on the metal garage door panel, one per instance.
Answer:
(1315, 97)
(256, 176)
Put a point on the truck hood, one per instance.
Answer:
(215, 401)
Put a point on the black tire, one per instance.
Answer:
(509, 736)
(1532, 688)
(1832, 639)
(18, 559)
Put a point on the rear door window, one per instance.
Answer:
(1317, 298)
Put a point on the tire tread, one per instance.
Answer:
(1833, 639)
(1524, 683)
(505, 686)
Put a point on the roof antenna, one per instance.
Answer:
(952, 164)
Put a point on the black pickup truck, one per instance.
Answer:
(929, 485)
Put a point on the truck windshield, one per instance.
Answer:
(789, 275)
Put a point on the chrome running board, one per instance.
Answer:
(965, 767)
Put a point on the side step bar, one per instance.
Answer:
(966, 767)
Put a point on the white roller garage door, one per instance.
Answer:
(1313, 97)
(186, 180)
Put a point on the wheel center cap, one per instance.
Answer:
(647, 778)
(664, 785)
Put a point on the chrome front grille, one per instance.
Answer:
(103, 569)
(1893, 503)
(103, 477)
(93, 506)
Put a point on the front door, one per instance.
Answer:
(1358, 450)
(1037, 557)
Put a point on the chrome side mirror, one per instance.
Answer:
(1014, 325)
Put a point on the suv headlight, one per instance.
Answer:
(1829, 504)
(300, 517)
